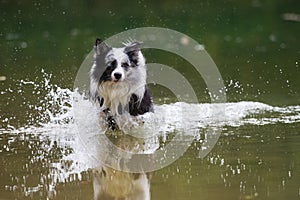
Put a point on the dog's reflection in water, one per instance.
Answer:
(111, 184)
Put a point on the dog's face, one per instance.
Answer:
(118, 64)
(117, 73)
(121, 64)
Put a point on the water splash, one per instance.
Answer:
(54, 139)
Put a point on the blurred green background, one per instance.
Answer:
(254, 43)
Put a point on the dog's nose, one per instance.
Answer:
(117, 75)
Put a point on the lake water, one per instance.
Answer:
(248, 150)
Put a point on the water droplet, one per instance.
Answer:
(199, 47)
(283, 45)
(238, 40)
(2, 78)
(23, 45)
(273, 38)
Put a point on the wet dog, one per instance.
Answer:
(118, 85)
(112, 184)
(118, 81)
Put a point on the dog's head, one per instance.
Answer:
(117, 70)
(121, 63)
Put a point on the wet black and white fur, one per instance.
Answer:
(118, 81)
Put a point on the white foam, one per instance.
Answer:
(73, 123)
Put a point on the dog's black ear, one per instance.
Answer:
(100, 51)
(132, 50)
(101, 47)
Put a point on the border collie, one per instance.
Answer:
(118, 82)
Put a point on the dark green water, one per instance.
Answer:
(254, 43)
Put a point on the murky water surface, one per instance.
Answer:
(255, 156)
(248, 148)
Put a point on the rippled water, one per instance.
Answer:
(246, 149)
(252, 152)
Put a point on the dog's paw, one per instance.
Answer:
(127, 122)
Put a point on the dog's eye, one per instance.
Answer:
(112, 65)
(109, 67)
(124, 65)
